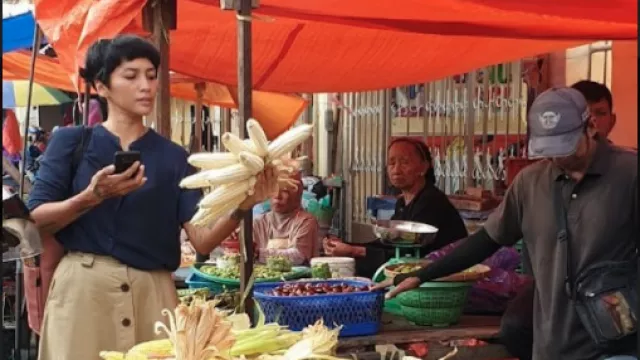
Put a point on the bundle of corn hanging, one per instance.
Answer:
(231, 176)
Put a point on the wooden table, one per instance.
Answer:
(398, 331)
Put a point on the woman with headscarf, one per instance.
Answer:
(287, 230)
(410, 170)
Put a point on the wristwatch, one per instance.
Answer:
(239, 214)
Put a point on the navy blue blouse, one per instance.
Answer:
(141, 229)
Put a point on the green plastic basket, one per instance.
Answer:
(435, 303)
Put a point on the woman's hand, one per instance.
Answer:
(335, 247)
(106, 184)
(265, 187)
(407, 284)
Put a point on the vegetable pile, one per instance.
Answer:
(279, 263)
(233, 272)
(202, 332)
(308, 289)
(231, 176)
(407, 268)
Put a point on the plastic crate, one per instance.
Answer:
(359, 313)
(194, 281)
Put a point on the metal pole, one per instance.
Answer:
(245, 83)
(37, 38)
(85, 110)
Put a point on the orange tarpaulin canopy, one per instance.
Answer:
(332, 45)
(276, 112)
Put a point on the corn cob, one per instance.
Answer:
(111, 355)
(250, 145)
(201, 217)
(229, 174)
(288, 141)
(209, 161)
(154, 348)
(209, 215)
(224, 194)
(195, 181)
(258, 137)
(251, 161)
(234, 144)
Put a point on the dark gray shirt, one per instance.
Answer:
(602, 219)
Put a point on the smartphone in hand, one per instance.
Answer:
(124, 160)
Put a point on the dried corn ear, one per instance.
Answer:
(234, 144)
(209, 161)
(258, 137)
(224, 194)
(251, 161)
(195, 181)
(288, 141)
(229, 174)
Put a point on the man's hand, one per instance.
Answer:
(105, 184)
(405, 285)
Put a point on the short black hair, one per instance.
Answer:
(105, 55)
(423, 152)
(594, 92)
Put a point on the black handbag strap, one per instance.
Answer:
(563, 236)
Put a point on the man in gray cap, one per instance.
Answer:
(598, 183)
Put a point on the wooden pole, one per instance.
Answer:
(159, 16)
(197, 138)
(245, 83)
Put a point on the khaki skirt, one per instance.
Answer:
(96, 303)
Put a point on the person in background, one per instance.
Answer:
(95, 113)
(34, 151)
(596, 184)
(120, 232)
(409, 167)
(11, 139)
(600, 103)
(287, 230)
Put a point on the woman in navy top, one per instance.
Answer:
(120, 232)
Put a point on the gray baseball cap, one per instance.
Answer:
(556, 121)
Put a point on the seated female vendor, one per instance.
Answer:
(287, 230)
(410, 170)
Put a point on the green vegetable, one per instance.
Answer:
(321, 271)
(279, 264)
(261, 272)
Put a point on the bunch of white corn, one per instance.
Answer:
(231, 176)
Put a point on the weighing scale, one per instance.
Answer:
(401, 235)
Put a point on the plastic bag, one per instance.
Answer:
(492, 294)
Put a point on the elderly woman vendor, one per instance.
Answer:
(287, 230)
(410, 170)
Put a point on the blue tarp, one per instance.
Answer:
(17, 32)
